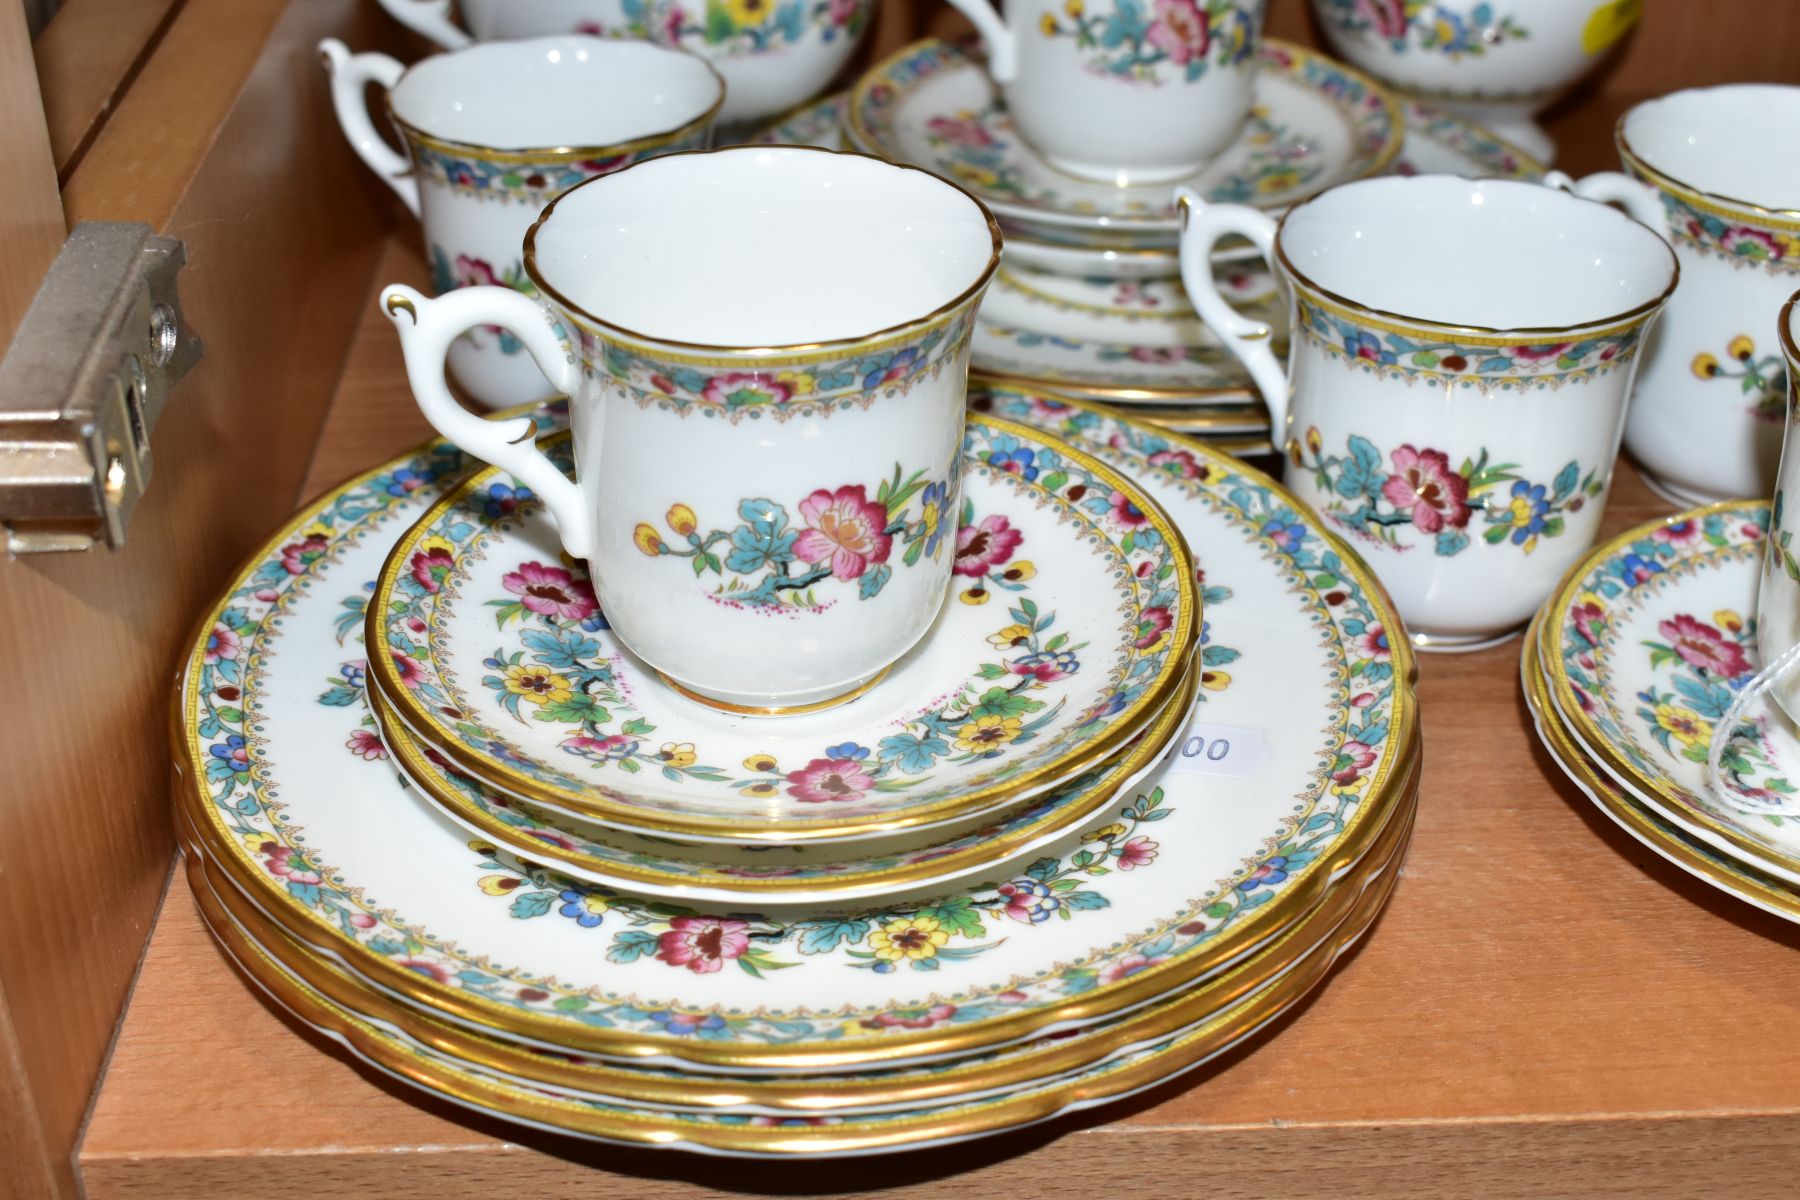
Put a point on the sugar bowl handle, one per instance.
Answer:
(1636, 197)
(430, 18)
(1203, 225)
(350, 75)
(1002, 45)
(427, 327)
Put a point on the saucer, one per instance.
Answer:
(1303, 741)
(1440, 142)
(1314, 123)
(1127, 341)
(801, 874)
(1667, 838)
(1068, 625)
(1646, 645)
(818, 123)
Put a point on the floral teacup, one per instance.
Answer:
(774, 54)
(766, 440)
(1707, 418)
(493, 133)
(1496, 61)
(1778, 599)
(1460, 355)
(1125, 91)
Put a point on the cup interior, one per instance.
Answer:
(762, 247)
(555, 92)
(1734, 141)
(1492, 254)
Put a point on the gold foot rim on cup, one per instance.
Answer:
(776, 710)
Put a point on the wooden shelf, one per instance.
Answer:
(1545, 1009)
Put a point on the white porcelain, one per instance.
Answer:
(1314, 122)
(1497, 61)
(773, 55)
(496, 131)
(1121, 91)
(729, 354)
(1456, 380)
(1778, 596)
(307, 819)
(1713, 170)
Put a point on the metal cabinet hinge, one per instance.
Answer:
(82, 386)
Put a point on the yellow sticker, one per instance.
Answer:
(1609, 23)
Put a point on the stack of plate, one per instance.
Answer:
(1628, 670)
(1087, 302)
(1076, 844)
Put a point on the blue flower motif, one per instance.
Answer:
(231, 753)
(935, 498)
(575, 907)
(1537, 509)
(682, 1024)
(846, 750)
(1018, 460)
(1636, 568)
(1272, 872)
(405, 481)
(898, 366)
(1287, 535)
(1359, 343)
(597, 622)
(353, 673)
(503, 499)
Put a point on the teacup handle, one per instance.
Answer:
(1203, 226)
(427, 327)
(1636, 197)
(430, 18)
(1002, 45)
(350, 75)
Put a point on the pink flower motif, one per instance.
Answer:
(473, 272)
(1362, 699)
(591, 28)
(283, 863)
(702, 944)
(963, 129)
(365, 744)
(1387, 16)
(672, 24)
(222, 643)
(552, 838)
(551, 591)
(1126, 512)
(1158, 355)
(846, 528)
(614, 746)
(1589, 620)
(746, 389)
(980, 548)
(825, 780)
(362, 921)
(1181, 464)
(412, 671)
(1678, 533)
(1744, 242)
(1702, 646)
(1424, 485)
(297, 556)
(1152, 626)
(1353, 759)
(431, 566)
(1138, 852)
(1128, 966)
(1181, 30)
(913, 1018)
(1548, 352)
(424, 966)
(1372, 643)
(840, 12)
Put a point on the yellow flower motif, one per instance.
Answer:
(1278, 181)
(1075, 8)
(1520, 511)
(1705, 366)
(759, 791)
(1019, 572)
(798, 382)
(1729, 621)
(1107, 833)
(1687, 726)
(985, 733)
(1740, 347)
(255, 842)
(978, 177)
(499, 885)
(1214, 681)
(908, 937)
(1047, 23)
(1314, 440)
(1010, 637)
(974, 595)
(760, 762)
(681, 519)
(747, 13)
(648, 540)
(677, 754)
(537, 685)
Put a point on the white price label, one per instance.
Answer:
(1227, 750)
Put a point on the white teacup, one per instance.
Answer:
(1778, 598)
(774, 56)
(1498, 63)
(493, 133)
(1707, 418)
(1460, 355)
(772, 349)
(1126, 91)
